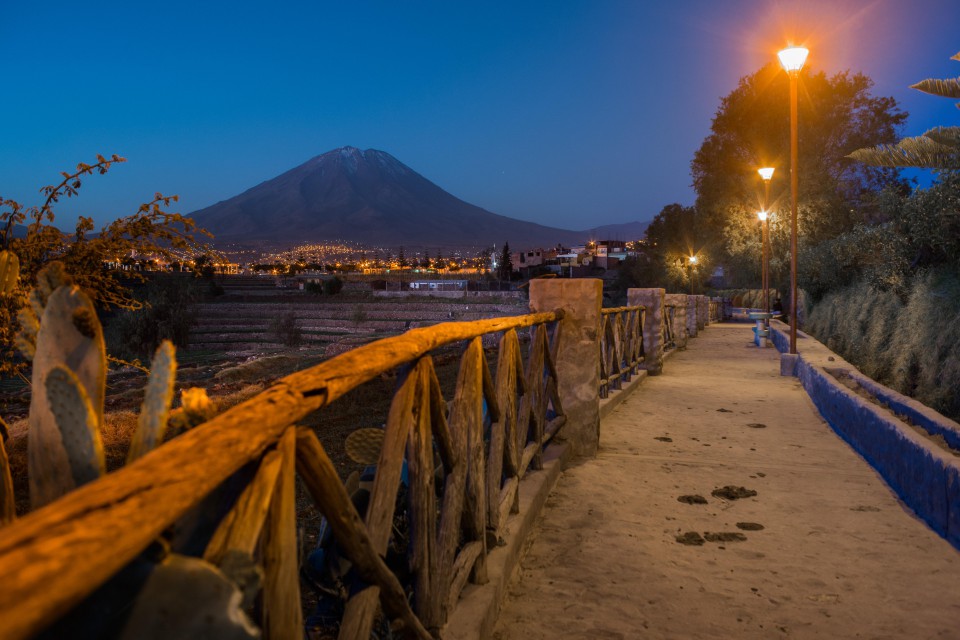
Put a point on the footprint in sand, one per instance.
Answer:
(690, 538)
(750, 526)
(663, 439)
(692, 499)
(723, 536)
(731, 492)
(757, 425)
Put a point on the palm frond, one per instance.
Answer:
(949, 88)
(947, 136)
(956, 57)
(922, 152)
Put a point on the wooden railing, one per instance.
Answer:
(465, 460)
(716, 310)
(621, 346)
(669, 326)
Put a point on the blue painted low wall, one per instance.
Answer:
(925, 476)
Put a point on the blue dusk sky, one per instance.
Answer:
(567, 113)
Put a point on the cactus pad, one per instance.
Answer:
(78, 424)
(363, 445)
(9, 272)
(157, 397)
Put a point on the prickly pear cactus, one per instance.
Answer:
(9, 272)
(155, 410)
(196, 408)
(70, 336)
(78, 424)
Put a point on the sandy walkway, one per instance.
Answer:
(838, 555)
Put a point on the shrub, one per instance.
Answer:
(332, 286)
(285, 329)
(165, 315)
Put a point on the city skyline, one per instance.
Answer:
(566, 114)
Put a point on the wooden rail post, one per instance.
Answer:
(679, 301)
(577, 363)
(653, 300)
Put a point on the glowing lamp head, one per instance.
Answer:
(762, 215)
(792, 58)
(766, 173)
(693, 259)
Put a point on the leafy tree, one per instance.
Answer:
(439, 262)
(425, 262)
(837, 114)
(151, 231)
(401, 258)
(505, 264)
(674, 235)
(938, 148)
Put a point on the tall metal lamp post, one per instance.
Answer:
(691, 265)
(792, 59)
(767, 174)
(764, 277)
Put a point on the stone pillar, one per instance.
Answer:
(679, 302)
(578, 354)
(652, 300)
(701, 312)
(692, 316)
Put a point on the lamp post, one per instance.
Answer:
(792, 59)
(691, 263)
(767, 174)
(764, 275)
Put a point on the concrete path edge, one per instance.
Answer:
(924, 475)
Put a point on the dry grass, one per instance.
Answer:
(911, 345)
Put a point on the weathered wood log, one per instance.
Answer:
(8, 506)
(475, 506)
(539, 405)
(241, 527)
(506, 398)
(466, 559)
(422, 514)
(509, 496)
(361, 609)
(454, 499)
(282, 613)
(512, 365)
(321, 479)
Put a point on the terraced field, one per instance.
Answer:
(244, 319)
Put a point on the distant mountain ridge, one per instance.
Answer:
(368, 197)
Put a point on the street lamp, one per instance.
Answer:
(792, 59)
(691, 263)
(767, 174)
(764, 272)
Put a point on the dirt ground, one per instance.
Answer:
(660, 537)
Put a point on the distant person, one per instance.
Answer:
(778, 309)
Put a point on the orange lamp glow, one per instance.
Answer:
(762, 215)
(792, 58)
(766, 173)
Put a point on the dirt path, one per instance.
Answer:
(823, 550)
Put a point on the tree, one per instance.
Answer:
(938, 148)
(150, 232)
(439, 262)
(674, 235)
(505, 263)
(401, 258)
(425, 263)
(751, 129)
